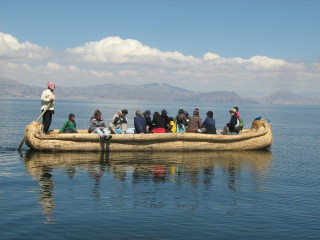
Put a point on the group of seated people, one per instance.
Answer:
(160, 123)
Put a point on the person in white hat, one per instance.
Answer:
(47, 104)
(233, 122)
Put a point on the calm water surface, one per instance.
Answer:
(221, 195)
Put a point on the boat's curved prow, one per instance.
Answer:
(32, 129)
(263, 125)
(258, 137)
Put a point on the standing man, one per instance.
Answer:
(47, 102)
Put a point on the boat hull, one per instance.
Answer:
(258, 137)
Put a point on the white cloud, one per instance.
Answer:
(101, 74)
(64, 75)
(184, 73)
(210, 56)
(114, 60)
(16, 67)
(53, 67)
(263, 62)
(128, 72)
(10, 48)
(118, 51)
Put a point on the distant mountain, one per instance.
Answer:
(220, 97)
(152, 91)
(290, 98)
(310, 94)
(11, 88)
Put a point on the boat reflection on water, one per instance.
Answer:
(141, 167)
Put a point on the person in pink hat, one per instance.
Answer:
(47, 103)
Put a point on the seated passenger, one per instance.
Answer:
(230, 127)
(181, 116)
(119, 122)
(187, 119)
(209, 124)
(69, 126)
(180, 121)
(158, 123)
(140, 123)
(97, 125)
(147, 116)
(239, 126)
(238, 113)
(180, 125)
(195, 124)
(164, 114)
(173, 127)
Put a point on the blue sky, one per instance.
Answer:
(234, 30)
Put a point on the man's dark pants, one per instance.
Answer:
(47, 117)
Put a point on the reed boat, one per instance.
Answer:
(259, 136)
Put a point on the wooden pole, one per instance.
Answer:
(24, 137)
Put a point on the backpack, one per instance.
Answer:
(239, 125)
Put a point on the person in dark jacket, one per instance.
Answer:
(158, 123)
(140, 123)
(164, 114)
(209, 124)
(181, 115)
(147, 116)
(230, 126)
(187, 119)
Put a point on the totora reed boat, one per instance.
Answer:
(259, 136)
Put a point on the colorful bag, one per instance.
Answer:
(239, 125)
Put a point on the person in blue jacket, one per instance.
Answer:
(209, 124)
(140, 123)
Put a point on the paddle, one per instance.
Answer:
(43, 112)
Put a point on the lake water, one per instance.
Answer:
(221, 195)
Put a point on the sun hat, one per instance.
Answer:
(51, 85)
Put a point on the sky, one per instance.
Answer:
(251, 47)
